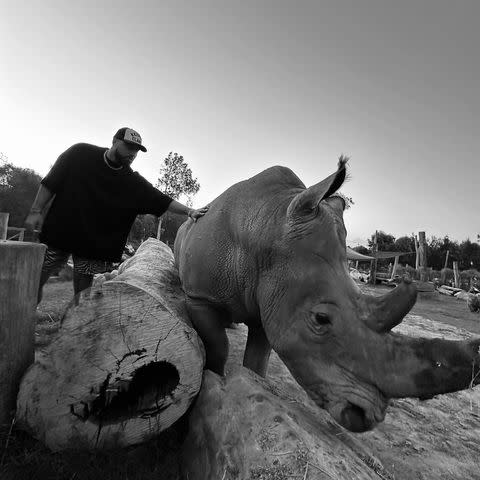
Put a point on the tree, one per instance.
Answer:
(469, 255)
(18, 187)
(5, 169)
(404, 244)
(385, 241)
(175, 180)
(437, 252)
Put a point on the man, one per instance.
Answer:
(95, 197)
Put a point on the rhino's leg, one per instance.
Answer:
(209, 322)
(257, 351)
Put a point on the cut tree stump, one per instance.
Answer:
(125, 364)
(20, 266)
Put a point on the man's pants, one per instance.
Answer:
(83, 269)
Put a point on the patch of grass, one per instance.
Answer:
(24, 458)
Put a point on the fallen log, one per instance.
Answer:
(452, 289)
(246, 427)
(125, 364)
(445, 291)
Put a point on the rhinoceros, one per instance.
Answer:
(272, 254)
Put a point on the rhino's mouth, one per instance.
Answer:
(354, 418)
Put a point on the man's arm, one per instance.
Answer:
(177, 207)
(34, 219)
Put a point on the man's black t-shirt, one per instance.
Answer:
(95, 206)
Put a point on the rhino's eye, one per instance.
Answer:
(322, 318)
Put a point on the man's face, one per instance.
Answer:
(124, 152)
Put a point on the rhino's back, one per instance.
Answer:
(215, 256)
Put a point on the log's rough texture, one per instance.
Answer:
(125, 364)
(20, 265)
(245, 427)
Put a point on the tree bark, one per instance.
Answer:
(125, 364)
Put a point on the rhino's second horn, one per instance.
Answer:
(384, 313)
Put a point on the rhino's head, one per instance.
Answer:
(335, 340)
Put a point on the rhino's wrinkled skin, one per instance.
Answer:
(272, 254)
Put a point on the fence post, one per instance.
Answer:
(422, 257)
(456, 274)
(159, 228)
(395, 266)
(446, 259)
(21, 263)
(3, 225)
(373, 263)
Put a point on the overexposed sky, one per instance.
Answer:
(238, 86)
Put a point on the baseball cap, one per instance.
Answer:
(129, 135)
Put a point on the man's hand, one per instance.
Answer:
(34, 221)
(196, 214)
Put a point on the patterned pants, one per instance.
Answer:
(55, 260)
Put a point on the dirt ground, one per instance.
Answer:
(430, 440)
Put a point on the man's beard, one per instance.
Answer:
(120, 160)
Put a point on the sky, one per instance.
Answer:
(238, 86)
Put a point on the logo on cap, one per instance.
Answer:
(132, 136)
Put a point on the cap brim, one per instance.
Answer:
(140, 147)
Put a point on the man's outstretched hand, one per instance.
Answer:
(196, 214)
(34, 221)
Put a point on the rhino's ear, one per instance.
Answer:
(308, 200)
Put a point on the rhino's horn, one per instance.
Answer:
(385, 312)
(309, 199)
(423, 368)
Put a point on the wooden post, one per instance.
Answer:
(422, 256)
(3, 225)
(395, 266)
(356, 264)
(390, 269)
(417, 258)
(446, 259)
(159, 229)
(456, 274)
(373, 263)
(21, 264)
